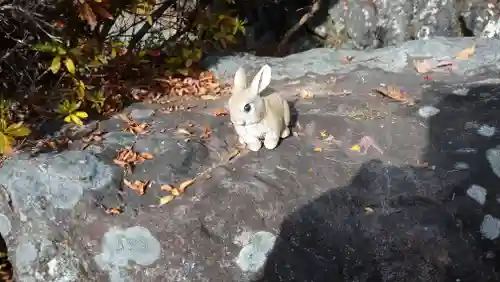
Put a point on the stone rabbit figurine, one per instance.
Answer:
(255, 117)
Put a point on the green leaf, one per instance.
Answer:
(3, 125)
(70, 66)
(61, 51)
(231, 38)
(44, 47)
(197, 54)
(81, 114)
(149, 19)
(56, 64)
(17, 130)
(5, 143)
(67, 119)
(75, 119)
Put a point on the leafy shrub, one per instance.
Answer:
(60, 59)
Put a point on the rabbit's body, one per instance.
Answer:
(255, 117)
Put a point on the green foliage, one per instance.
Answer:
(70, 112)
(75, 53)
(10, 132)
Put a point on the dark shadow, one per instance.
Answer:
(282, 16)
(405, 223)
(6, 270)
(294, 114)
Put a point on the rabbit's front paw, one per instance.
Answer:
(254, 145)
(241, 140)
(271, 142)
(285, 133)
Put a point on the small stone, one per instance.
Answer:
(486, 130)
(461, 166)
(490, 255)
(5, 225)
(490, 227)
(141, 114)
(493, 157)
(428, 111)
(477, 193)
(132, 244)
(253, 256)
(461, 91)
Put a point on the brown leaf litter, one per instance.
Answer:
(394, 92)
(174, 191)
(466, 53)
(139, 186)
(205, 86)
(133, 126)
(127, 158)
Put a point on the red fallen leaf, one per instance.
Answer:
(97, 8)
(220, 112)
(59, 24)
(87, 14)
(155, 53)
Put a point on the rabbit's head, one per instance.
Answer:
(246, 107)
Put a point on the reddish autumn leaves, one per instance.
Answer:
(91, 10)
(394, 92)
(201, 86)
(127, 158)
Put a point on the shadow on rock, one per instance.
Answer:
(6, 270)
(415, 223)
(267, 24)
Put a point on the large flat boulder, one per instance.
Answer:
(366, 189)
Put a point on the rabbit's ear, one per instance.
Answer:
(261, 80)
(240, 80)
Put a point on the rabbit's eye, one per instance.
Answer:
(247, 108)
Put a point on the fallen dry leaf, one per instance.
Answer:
(356, 148)
(186, 184)
(166, 187)
(233, 154)
(176, 192)
(146, 156)
(209, 97)
(127, 158)
(395, 93)
(318, 149)
(207, 132)
(137, 128)
(166, 199)
(368, 210)
(466, 53)
(114, 211)
(423, 66)
(220, 112)
(305, 94)
(138, 186)
(183, 131)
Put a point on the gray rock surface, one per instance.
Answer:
(364, 25)
(420, 204)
